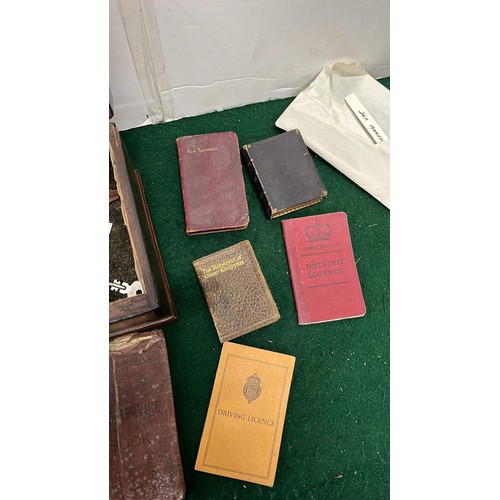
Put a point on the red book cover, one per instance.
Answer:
(324, 277)
(212, 183)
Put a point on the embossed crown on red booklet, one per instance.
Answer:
(325, 280)
(318, 232)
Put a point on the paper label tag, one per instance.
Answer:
(366, 119)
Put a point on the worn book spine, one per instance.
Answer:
(144, 456)
(254, 175)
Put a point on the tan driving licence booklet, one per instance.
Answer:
(242, 434)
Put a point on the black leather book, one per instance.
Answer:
(284, 173)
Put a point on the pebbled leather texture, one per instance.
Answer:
(236, 291)
(212, 183)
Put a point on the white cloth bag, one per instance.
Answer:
(329, 127)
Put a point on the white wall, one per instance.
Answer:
(216, 54)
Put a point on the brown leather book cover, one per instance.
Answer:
(284, 174)
(212, 183)
(244, 425)
(236, 291)
(144, 457)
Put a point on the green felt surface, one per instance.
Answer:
(336, 437)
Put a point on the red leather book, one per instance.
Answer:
(323, 271)
(212, 183)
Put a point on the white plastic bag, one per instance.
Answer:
(330, 128)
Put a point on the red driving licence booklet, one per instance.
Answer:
(323, 271)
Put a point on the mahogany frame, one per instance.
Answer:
(155, 306)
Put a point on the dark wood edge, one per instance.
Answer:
(128, 307)
(165, 295)
(165, 312)
(149, 299)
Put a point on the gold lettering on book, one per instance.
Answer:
(200, 150)
(223, 267)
